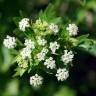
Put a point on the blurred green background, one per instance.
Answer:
(82, 80)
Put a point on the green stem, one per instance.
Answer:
(20, 43)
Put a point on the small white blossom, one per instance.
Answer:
(44, 50)
(30, 44)
(9, 42)
(62, 74)
(67, 57)
(50, 63)
(41, 55)
(36, 80)
(54, 28)
(41, 41)
(26, 53)
(53, 46)
(73, 29)
(23, 24)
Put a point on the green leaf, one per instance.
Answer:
(88, 45)
(65, 91)
(93, 50)
(16, 20)
(7, 57)
(81, 15)
(83, 2)
(83, 37)
(19, 71)
(49, 15)
(91, 4)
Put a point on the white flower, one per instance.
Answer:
(41, 55)
(67, 57)
(36, 80)
(50, 63)
(44, 50)
(26, 53)
(23, 24)
(62, 74)
(9, 42)
(54, 28)
(53, 46)
(41, 41)
(73, 29)
(30, 44)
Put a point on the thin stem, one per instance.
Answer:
(21, 44)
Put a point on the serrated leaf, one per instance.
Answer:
(19, 71)
(49, 15)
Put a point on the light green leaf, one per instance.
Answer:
(65, 91)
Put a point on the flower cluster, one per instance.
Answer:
(29, 44)
(26, 53)
(38, 49)
(54, 46)
(41, 41)
(73, 29)
(62, 74)
(50, 63)
(23, 24)
(22, 63)
(9, 42)
(39, 26)
(36, 80)
(54, 28)
(42, 54)
(67, 57)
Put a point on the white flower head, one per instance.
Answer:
(26, 53)
(9, 42)
(41, 55)
(30, 44)
(73, 29)
(54, 28)
(44, 50)
(36, 80)
(23, 24)
(41, 41)
(67, 57)
(50, 63)
(62, 74)
(54, 46)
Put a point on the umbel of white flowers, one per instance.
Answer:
(50, 63)
(73, 29)
(23, 24)
(67, 57)
(29, 44)
(54, 28)
(62, 74)
(26, 52)
(9, 42)
(54, 46)
(41, 55)
(41, 41)
(36, 80)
